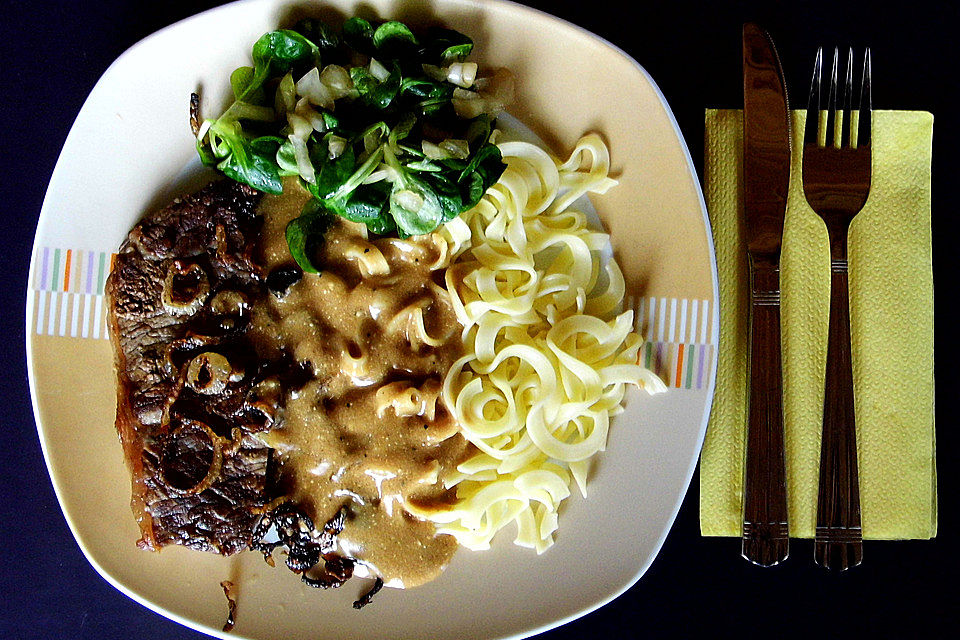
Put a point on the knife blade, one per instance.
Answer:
(766, 180)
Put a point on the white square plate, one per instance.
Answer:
(126, 154)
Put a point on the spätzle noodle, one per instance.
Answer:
(547, 355)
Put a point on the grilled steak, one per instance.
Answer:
(190, 389)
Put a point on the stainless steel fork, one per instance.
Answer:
(836, 182)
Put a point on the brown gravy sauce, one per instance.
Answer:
(339, 443)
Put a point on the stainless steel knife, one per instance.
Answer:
(766, 179)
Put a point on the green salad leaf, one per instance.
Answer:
(305, 232)
(395, 40)
(240, 79)
(358, 34)
(239, 158)
(320, 33)
(375, 93)
(447, 45)
(276, 53)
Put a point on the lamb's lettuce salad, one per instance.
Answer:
(383, 126)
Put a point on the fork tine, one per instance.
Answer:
(831, 138)
(846, 139)
(866, 104)
(811, 128)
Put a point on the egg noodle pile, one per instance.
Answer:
(547, 355)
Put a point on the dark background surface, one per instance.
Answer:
(53, 54)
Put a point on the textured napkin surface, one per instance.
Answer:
(891, 307)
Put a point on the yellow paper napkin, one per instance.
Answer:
(891, 307)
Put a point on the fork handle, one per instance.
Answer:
(838, 541)
(766, 536)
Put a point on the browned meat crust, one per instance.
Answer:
(187, 395)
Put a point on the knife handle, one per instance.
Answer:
(766, 534)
